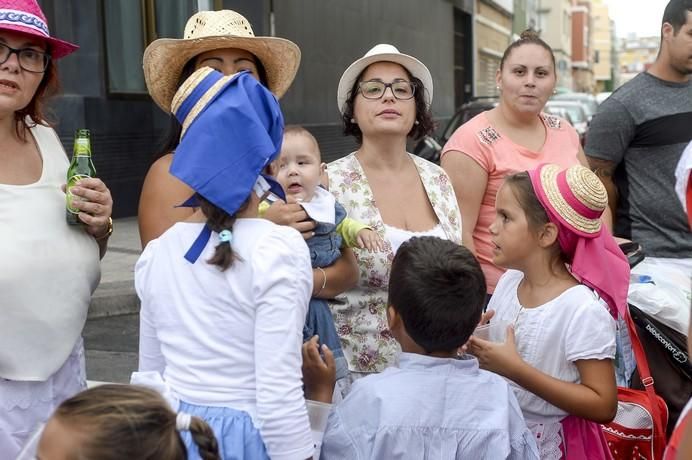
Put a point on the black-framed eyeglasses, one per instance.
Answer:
(29, 59)
(375, 89)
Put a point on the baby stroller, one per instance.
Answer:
(661, 320)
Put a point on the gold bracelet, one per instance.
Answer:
(109, 231)
(324, 281)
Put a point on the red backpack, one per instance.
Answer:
(639, 428)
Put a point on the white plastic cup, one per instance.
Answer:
(495, 331)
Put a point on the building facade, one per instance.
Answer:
(555, 25)
(104, 90)
(603, 45)
(582, 55)
(493, 32)
(525, 16)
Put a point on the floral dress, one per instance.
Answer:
(360, 313)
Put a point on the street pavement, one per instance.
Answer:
(112, 329)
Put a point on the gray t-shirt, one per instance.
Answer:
(644, 127)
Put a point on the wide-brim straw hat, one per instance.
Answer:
(575, 195)
(383, 53)
(27, 18)
(165, 58)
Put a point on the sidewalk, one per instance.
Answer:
(116, 293)
(112, 329)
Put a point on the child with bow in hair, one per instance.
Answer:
(113, 422)
(565, 272)
(225, 293)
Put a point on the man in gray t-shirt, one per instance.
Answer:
(637, 137)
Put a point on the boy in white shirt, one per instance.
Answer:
(434, 403)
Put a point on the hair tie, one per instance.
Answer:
(182, 421)
(225, 236)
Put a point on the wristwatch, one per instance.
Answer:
(109, 231)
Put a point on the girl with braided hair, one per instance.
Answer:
(113, 422)
(224, 293)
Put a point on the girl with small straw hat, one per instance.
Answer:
(222, 40)
(566, 280)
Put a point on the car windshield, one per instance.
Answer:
(588, 102)
(576, 111)
(576, 114)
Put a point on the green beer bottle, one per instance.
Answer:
(80, 167)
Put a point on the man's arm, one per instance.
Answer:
(605, 169)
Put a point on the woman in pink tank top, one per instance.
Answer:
(514, 136)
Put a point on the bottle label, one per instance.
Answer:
(81, 147)
(68, 191)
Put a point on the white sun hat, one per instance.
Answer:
(383, 53)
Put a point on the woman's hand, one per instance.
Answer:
(319, 374)
(293, 215)
(94, 201)
(500, 358)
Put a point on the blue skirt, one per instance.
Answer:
(236, 434)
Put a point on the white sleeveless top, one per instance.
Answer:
(396, 236)
(48, 270)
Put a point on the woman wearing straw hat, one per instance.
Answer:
(384, 98)
(49, 269)
(223, 40)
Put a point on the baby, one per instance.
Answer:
(300, 171)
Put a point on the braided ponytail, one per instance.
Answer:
(219, 220)
(204, 437)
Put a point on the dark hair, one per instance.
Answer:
(219, 220)
(675, 14)
(133, 422)
(438, 289)
(297, 130)
(49, 86)
(172, 137)
(536, 216)
(425, 126)
(527, 37)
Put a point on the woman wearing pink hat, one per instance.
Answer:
(50, 269)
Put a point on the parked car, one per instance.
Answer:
(587, 100)
(600, 97)
(430, 147)
(576, 115)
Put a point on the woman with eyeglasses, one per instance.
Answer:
(48, 269)
(384, 98)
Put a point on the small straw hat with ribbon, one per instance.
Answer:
(574, 199)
